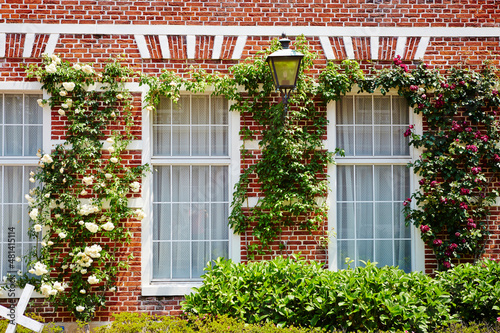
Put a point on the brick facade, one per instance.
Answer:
(174, 35)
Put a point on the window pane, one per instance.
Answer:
(346, 222)
(32, 140)
(364, 141)
(219, 216)
(220, 183)
(345, 139)
(383, 182)
(219, 141)
(162, 221)
(181, 111)
(200, 109)
(403, 255)
(180, 184)
(384, 253)
(201, 141)
(201, 256)
(220, 249)
(180, 141)
(364, 183)
(346, 249)
(162, 260)
(200, 183)
(382, 140)
(383, 219)
(364, 251)
(14, 109)
(181, 260)
(400, 114)
(363, 110)
(162, 140)
(33, 112)
(161, 183)
(400, 142)
(382, 110)
(163, 114)
(220, 110)
(181, 214)
(200, 225)
(345, 111)
(14, 142)
(364, 220)
(345, 183)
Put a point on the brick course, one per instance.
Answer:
(441, 53)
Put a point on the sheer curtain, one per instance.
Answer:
(191, 200)
(20, 138)
(370, 223)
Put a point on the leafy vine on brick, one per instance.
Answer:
(79, 210)
(292, 168)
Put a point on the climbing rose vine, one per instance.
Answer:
(460, 155)
(79, 213)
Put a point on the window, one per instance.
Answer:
(190, 186)
(372, 181)
(20, 138)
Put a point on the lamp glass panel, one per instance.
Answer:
(286, 71)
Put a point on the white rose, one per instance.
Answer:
(50, 243)
(119, 96)
(47, 159)
(83, 271)
(92, 227)
(83, 291)
(63, 93)
(40, 268)
(93, 280)
(113, 289)
(135, 187)
(110, 140)
(113, 114)
(34, 214)
(32, 180)
(31, 271)
(40, 102)
(77, 67)
(108, 176)
(43, 244)
(55, 59)
(81, 223)
(108, 226)
(51, 69)
(140, 214)
(80, 308)
(111, 149)
(18, 259)
(83, 192)
(47, 195)
(88, 180)
(29, 198)
(69, 86)
(62, 235)
(52, 292)
(64, 106)
(113, 160)
(37, 227)
(149, 108)
(61, 112)
(45, 289)
(58, 286)
(87, 69)
(69, 101)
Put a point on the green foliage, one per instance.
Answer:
(291, 291)
(47, 328)
(474, 290)
(460, 155)
(82, 197)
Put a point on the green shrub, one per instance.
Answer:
(470, 328)
(474, 290)
(141, 322)
(290, 291)
(48, 328)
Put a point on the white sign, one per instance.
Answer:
(16, 315)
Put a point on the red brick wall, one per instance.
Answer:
(98, 48)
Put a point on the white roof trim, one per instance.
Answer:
(422, 46)
(51, 44)
(165, 49)
(400, 46)
(217, 50)
(374, 45)
(29, 42)
(238, 48)
(142, 46)
(208, 30)
(3, 40)
(349, 49)
(327, 47)
(191, 46)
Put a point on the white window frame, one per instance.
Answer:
(179, 288)
(417, 245)
(26, 88)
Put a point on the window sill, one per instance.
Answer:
(169, 288)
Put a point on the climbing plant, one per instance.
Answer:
(79, 211)
(460, 154)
